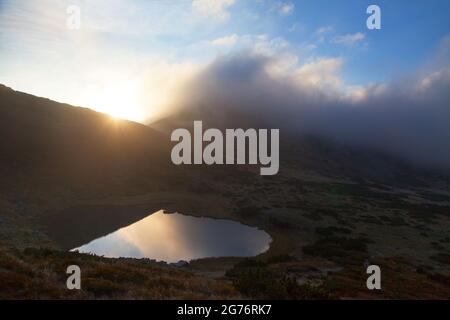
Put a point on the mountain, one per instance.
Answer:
(54, 155)
(69, 175)
(54, 144)
(312, 152)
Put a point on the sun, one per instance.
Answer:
(122, 102)
(123, 109)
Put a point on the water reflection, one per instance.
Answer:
(174, 237)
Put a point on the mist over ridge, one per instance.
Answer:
(407, 117)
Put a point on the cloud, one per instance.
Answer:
(264, 45)
(322, 72)
(213, 8)
(91, 72)
(407, 119)
(322, 32)
(296, 26)
(349, 39)
(286, 8)
(227, 41)
(258, 43)
(324, 29)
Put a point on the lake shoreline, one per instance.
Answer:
(130, 209)
(177, 237)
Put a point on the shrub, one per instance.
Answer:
(255, 280)
(281, 258)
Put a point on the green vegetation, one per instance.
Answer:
(256, 279)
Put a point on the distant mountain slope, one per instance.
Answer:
(312, 152)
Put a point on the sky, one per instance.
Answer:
(128, 57)
(309, 65)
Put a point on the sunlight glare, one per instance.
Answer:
(122, 102)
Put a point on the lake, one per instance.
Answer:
(173, 237)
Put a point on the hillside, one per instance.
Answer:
(51, 143)
(70, 175)
(54, 155)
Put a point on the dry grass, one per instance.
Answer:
(40, 274)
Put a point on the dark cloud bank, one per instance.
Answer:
(409, 118)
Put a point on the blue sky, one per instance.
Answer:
(152, 43)
(410, 32)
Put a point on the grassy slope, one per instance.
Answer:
(41, 274)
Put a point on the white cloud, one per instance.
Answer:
(227, 41)
(321, 72)
(281, 65)
(435, 77)
(286, 8)
(324, 29)
(349, 39)
(262, 44)
(213, 8)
